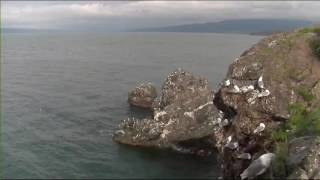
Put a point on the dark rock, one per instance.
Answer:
(185, 111)
(304, 153)
(298, 173)
(142, 96)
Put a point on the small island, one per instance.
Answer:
(263, 121)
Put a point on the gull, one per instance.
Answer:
(219, 120)
(244, 156)
(246, 89)
(227, 83)
(259, 129)
(264, 93)
(260, 82)
(229, 139)
(232, 146)
(236, 89)
(258, 166)
(225, 122)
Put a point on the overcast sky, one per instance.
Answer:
(122, 15)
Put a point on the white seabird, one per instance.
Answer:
(225, 122)
(232, 146)
(236, 89)
(244, 156)
(258, 166)
(259, 129)
(246, 89)
(264, 93)
(229, 139)
(227, 83)
(260, 82)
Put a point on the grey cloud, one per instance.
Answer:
(120, 15)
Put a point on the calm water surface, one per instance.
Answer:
(64, 94)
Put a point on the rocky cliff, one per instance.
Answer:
(241, 119)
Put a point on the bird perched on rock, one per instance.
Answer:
(258, 166)
(260, 83)
(246, 89)
(227, 83)
(260, 128)
(229, 139)
(233, 145)
(264, 93)
(236, 89)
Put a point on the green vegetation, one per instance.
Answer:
(315, 42)
(315, 46)
(302, 122)
(306, 94)
(310, 30)
(279, 165)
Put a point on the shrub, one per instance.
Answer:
(315, 46)
(303, 122)
(279, 165)
(306, 94)
(310, 30)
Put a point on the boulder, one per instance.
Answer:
(184, 112)
(304, 156)
(142, 96)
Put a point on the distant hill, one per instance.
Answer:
(244, 26)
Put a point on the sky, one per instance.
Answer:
(126, 15)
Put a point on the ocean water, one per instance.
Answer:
(63, 95)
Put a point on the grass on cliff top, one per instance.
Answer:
(314, 43)
(310, 30)
(315, 46)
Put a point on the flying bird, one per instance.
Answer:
(258, 166)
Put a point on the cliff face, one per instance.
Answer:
(253, 102)
(259, 87)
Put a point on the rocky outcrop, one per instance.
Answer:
(183, 113)
(142, 96)
(258, 88)
(238, 120)
(304, 158)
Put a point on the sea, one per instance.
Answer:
(64, 94)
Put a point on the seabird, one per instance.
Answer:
(236, 89)
(260, 82)
(244, 156)
(225, 122)
(259, 129)
(227, 83)
(219, 120)
(232, 146)
(258, 166)
(264, 93)
(246, 89)
(229, 139)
